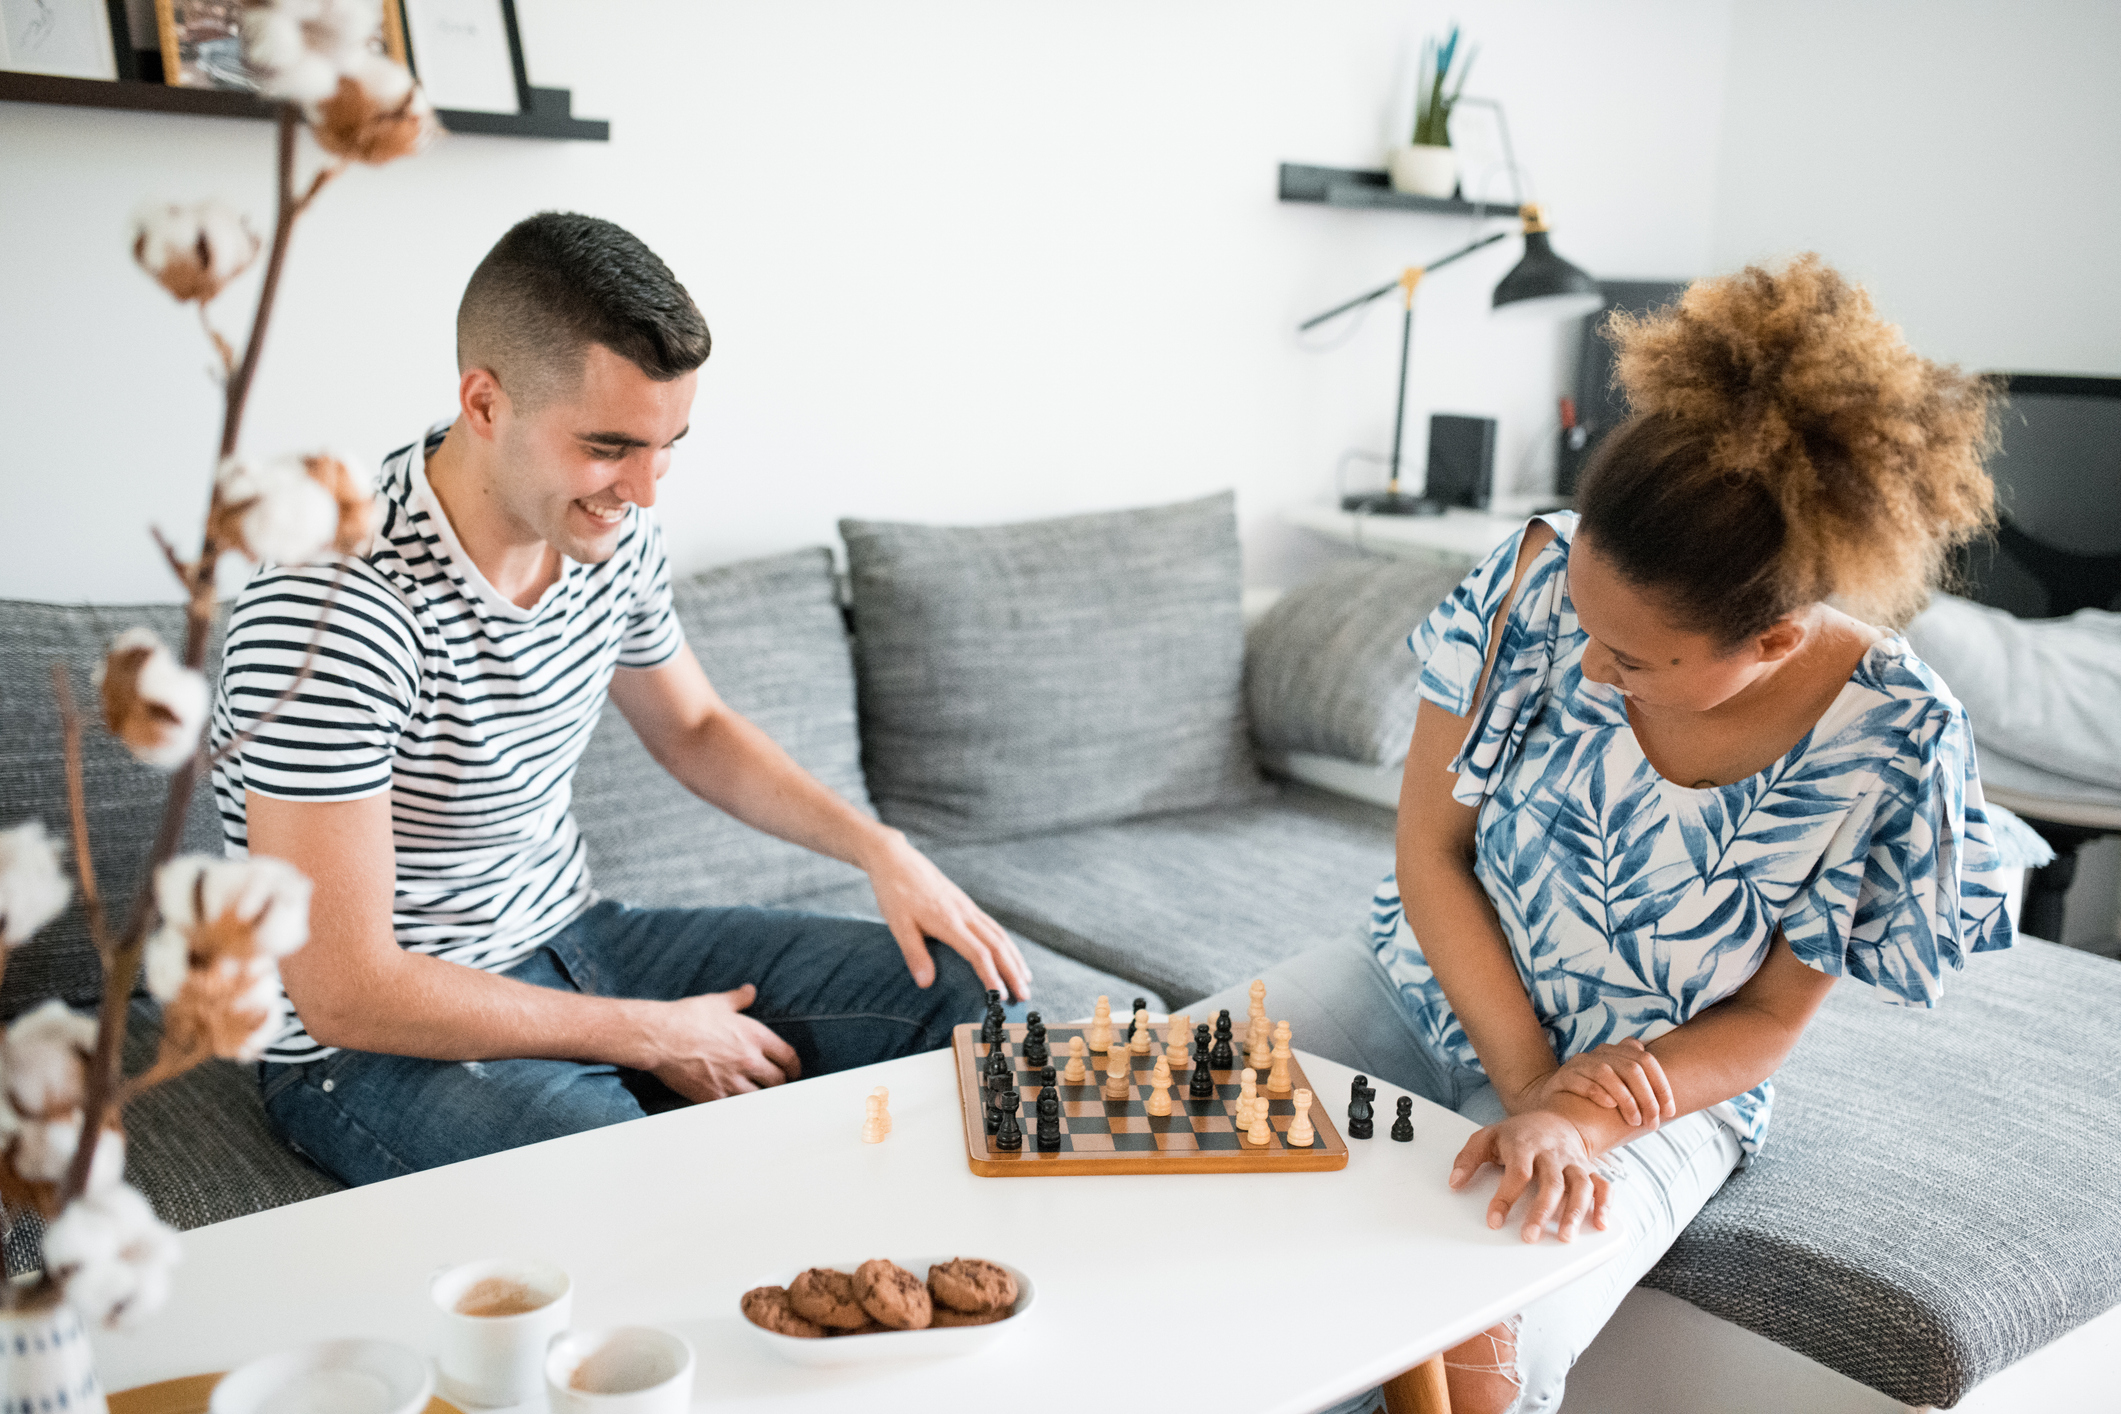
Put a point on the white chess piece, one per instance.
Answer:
(1301, 1134)
(1278, 1077)
(1176, 1052)
(1076, 1072)
(1140, 1044)
(1247, 1098)
(883, 1106)
(873, 1127)
(1262, 1131)
(1160, 1089)
(1119, 1074)
(1100, 1036)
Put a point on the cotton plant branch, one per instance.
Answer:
(308, 665)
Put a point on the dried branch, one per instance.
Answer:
(176, 561)
(317, 184)
(77, 798)
(309, 662)
(221, 346)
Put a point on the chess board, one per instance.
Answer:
(1114, 1136)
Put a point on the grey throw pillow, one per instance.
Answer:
(773, 641)
(1327, 669)
(1017, 679)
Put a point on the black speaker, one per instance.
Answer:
(1461, 460)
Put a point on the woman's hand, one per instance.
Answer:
(1623, 1077)
(1538, 1148)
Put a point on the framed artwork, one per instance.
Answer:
(202, 42)
(69, 38)
(468, 54)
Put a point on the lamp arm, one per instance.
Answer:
(1382, 290)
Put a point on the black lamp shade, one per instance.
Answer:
(1544, 286)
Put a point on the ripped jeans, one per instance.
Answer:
(835, 989)
(1339, 1000)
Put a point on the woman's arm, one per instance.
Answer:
(1449, 912)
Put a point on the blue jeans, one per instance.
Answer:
(835, 989)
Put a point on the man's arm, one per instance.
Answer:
(728, 762)
(354, 987)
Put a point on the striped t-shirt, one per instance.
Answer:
(469, 710)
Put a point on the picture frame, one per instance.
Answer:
(202, 42)
(468, 54)
(65, 38)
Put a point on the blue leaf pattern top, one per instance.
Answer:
(1632, 904)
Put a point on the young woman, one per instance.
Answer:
(1670, 780)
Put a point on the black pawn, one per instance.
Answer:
(1048, 1077)
(1035, 1043)
(1203, 1086)
(1224, 1055)
(1010, 1137)
(994, 1114)
(1403, 1127)
(1361, 1118)
(999, 1068)
(1140, 1004)
(1049, 1135)
(990, 1027)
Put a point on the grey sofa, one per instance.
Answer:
(1060, 714)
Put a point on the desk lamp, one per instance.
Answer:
(1541, 286)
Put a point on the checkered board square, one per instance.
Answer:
(1115, 1136)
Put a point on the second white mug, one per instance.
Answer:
(497, 1320)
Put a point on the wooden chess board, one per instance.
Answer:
(1115, 1136)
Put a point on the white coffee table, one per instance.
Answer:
(1237, 1292)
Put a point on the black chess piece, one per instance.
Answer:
(1203, 1086)
(1223, 1054)
(990, 1027)
(1010, 1137)
(1403, 1127)
(1048, 1077)
(1009, 1101)
(1141, 1004)
(994, 1114)
(1361, 1117)
(1049, 1135)
(1035, 1052)
(999, 1067)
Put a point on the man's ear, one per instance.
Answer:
(484, 404)
(1783, 637)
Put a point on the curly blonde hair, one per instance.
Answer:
(1786, 446)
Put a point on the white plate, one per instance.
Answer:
(331, 1377)
(935, 1343)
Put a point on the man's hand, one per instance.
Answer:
(708, 1048)
(1540, 1151)
(1623, 1077)
(918, 903)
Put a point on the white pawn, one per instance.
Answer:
(1176, 1052)
(1247, 1097)
(1278, 1078)
(1260, 1044)
(1301, 1135)
(1101, 1026)
(874, 1127)
(1140, 1044)
(1160, 1089)
(1262, 1132)
(1076, 1072)
(883, 1106)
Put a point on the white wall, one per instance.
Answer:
(964, 261)
(1961, 158)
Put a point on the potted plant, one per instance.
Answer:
(1427, 166)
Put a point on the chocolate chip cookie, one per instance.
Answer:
(967, 1284)
(893, 1295)
(827, 1297)
(768, 1306)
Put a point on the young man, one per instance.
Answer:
(464, 990)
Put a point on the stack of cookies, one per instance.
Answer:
(883, 1296)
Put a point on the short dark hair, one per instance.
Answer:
(561, 281)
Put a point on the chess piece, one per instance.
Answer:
(883, 1105)
(1262, 1132)
(990, 1029)
(1259, 1035)
(1010, 1137)
(1403, 1127)
(1361, 1118)
(1203, 1086)
(1046, 1079)
(1301, 1135)
(1138, 1038)
(1223, 1057)
(1256, 1015)
(1136, 1018)
(1247, 1097)
(1099, 1036)
(1160, 1088)
(873, 1126)
(1077, 1073)
(1119, 1075)
(999, 1067)
(1181, 1030)
(1035, 1053)
(1049, 1135)
(1278, 1084)
(993, 1107)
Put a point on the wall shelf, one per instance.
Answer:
(1358, 189)
(550, 115)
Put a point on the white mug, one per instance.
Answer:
(495, 1360)
(624, 1370)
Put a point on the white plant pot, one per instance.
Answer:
(1422, 170)
(46, 1362)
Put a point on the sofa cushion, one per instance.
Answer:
(1327, 669)
(125, 798)
(1026, 678)
(771, 636)
(1187, 904)
(1938, 1197)
(1062, 989)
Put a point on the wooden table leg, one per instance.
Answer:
(1421, 1390)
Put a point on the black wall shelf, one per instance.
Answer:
(550, 114)
(1362, 190)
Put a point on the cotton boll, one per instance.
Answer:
(377, 115)
(151, 702)
(113, 1255)
(32, 889)
(44, 1150)
(167, 963)
(193, 251)
(270, 895)
(47, 1054)
(273, 511)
